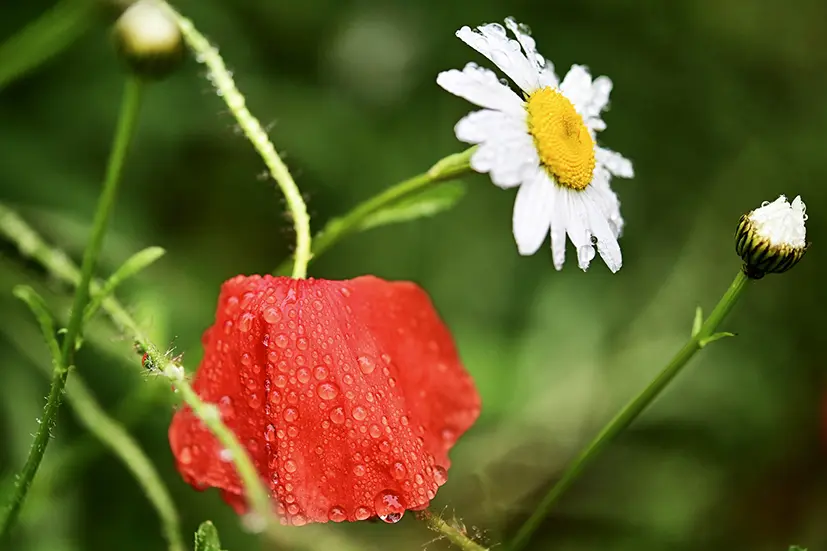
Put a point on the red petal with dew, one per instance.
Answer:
(348, 396)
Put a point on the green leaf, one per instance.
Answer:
(427, 203)
(206, 538)
(698, 321)
(44, 318)
(128, 269)
(714, 337)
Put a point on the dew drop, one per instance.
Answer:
(245, 359)
(389, 506)
(303, 375)
(281, 381)
(225, 406)
(337, 514)
(270, 433)
(327, 391)
(337, 416)
(290, 466)
(254, 401)
(404, 421)
(375, 431)
(272, 315)
(386, 358)
(281, 340)
(185, 456)
(320, 372)
(290, 415)
(274, 397)
(301, 343)
(345, 291)
(384, 446)
(299, 520)
(359, 413)
(362, 513)
(245, 322)
(359, 469)
(366, 364)
(292, 431)
(292, 508)
(440, 475)
(398, 470)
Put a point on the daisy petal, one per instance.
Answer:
(491, 41)
(577, 227)
(488, 125)
(532, 212)
(481, 87)
(509, 160)
(606, 199)
(607, 244)
(601, 88)
(527, 42)
(616, 163)
(558, 228)
(577, 87)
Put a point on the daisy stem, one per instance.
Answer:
(59, 265)
(338, 228)
(222, 79)
(126, 125)
(703, 336)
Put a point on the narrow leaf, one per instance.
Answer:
(714, 337)
(128, 269)
(797, 548)
(698, 321)
(427, 203)
(44, 318)
(206, 538)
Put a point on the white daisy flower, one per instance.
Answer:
(543, 142)
(773, 237)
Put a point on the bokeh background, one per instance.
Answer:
(720, 105)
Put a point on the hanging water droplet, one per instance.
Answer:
(337, 514)
(389, 506)
(440, 475)
(362, 513)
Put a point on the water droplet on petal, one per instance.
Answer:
(290, 466)
(281, 340)
(298, 520)
(398, 470)
(185, 455)
(337, 416)
(303, 375)
(375, 431)
(270, 433)
(337, 514)
(327, 391)
(389, 506)
(440, 475)
(366, 364)
(359, 413)
(359, 469)
(272, 315)
(245, 322)
(362, 513)
(320, 372)
(290, 415)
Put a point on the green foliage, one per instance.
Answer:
(428, 202)
(206, 538)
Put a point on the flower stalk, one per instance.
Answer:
(222, 79)
(126, 125)
(702, 336)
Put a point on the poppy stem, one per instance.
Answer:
(59, 265)
(338, 228)
(453, 534)
(225, 87)
(126, 125)
(702, 334)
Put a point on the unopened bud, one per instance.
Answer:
(772, 238)
(149, 39)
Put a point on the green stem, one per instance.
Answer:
(338, 228)
(450, 532)
(630, 412)
(43, 38)
(60, 266)
(222, 79)
(126, 124)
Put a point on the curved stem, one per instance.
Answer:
(631, 411)
(251, 127)
(126, 124)
(338, 228)
(44, 37)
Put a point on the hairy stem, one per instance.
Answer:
(222, 79)
(631, 411)
(126, 124)
(453, 534)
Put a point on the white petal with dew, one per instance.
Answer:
(614, 162)
(492, 42)
(577, 87)
(481, 87)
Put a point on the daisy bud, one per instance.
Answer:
(149, 40)
(772, 238)
(348, 396)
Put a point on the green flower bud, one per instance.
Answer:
(149, 39)
(772, 239)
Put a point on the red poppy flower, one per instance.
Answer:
(348, 396)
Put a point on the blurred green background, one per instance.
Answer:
(720, 105)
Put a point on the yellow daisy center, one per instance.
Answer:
(563, 142)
